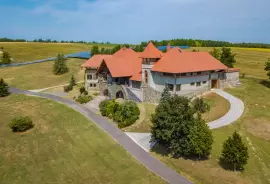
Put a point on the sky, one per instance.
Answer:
(133, 21)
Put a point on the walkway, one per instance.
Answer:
(235, 112)
(142, 156)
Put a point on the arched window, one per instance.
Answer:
(146, 77)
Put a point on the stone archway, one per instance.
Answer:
(106, 92)
(120, 94)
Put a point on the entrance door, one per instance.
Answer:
(214, 84)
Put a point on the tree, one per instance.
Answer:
(94, 50)
(234, 151)
(215, 53)
(72, 81)
(267, 67)
(227, 57)
(3, 88)
(60, 66)
(176, 127)
(200, 105)
(165, 96)
(6, 58)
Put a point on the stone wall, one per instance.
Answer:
(232, 78)
(150, 95)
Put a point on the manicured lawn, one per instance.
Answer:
(63, 147)
(250, 60)
(219, 107)
(36, 76)
(22, 52)
(254, 126)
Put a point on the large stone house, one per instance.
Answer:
(142, 76)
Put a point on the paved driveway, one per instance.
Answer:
(235, 112)
(134, 149)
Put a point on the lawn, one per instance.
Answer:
(219, 107)
(251, 61)
(63, 147)
(254, 126)
(36, 76)
(22, 52)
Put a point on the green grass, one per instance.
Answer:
(219, 107)
(254, 126)
(22, 52)
(40, 75)
(251, 61)
(63, 147)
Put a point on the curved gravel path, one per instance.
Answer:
(134, 149)
(235, 112)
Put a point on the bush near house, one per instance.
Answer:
(200, 105)
(3, 88)
(82, 99)
(21, 124)
(124, 114)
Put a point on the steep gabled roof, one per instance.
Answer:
(95, 61)
(151, 51)
(124, 63)
(176, 61)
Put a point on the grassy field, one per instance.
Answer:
(219, 107)
(40, 75)
(254, 126)
(22, 52)
(63, 147)
(251, 61)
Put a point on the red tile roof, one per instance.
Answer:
(176, 61)
(95, 61)
(151, 51)
(233, 70)
(124, 63)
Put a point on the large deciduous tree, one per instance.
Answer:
(234, 151)
(267, 67)
(227, 57)
(176, 126)
(3, 88)
(215, 53)
(94, 50)
(60, 66)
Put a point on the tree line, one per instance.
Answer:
(205, 43)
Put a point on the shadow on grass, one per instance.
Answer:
(265, 83)
(229, 167)
(163, 151)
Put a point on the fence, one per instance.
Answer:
(81, 55)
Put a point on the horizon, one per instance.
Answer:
(126, 21)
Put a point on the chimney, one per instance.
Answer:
(168, 47)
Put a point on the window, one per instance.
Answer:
(91, 85)
(192, 84)
(199, 73)
(168, 74)
(204, 82)
(183, 74)
(169, 86)
(178, 87)
(194, 73)
(198, 83)
(136, 84)
(94, 85)
(146, 77)
(89, 77)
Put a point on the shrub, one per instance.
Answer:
(72, 81)
(96, 93)
(85, 92)
(82, 89)
(82, 99)
(68, 88)
(3, 88)
(21, 124)
(200, 105)
(243, 75)
(5, 58)
(124, 114)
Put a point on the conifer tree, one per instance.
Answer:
(3, 88)
(60, 66)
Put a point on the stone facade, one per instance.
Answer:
(232, 78)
